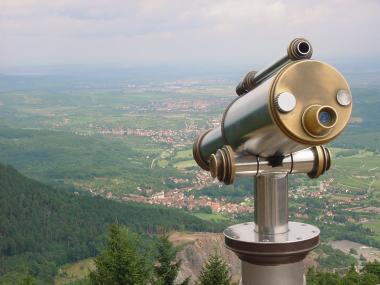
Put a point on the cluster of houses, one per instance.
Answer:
(178, 199)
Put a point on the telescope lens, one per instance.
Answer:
(325, 118)
(303, 48)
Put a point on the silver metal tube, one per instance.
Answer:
(299, 162)
(271, 204)
(283, 165)
(283, 274)
(303, 161)
(247, 165)
(225, 165)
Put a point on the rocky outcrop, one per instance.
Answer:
(195, 248)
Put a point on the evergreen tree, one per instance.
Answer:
(372, 267)
(121, 263)
(352, 277)
(322, 278)
(84, 281)
(43, 228)
(215, 272)
(368, 279)
(28, 281)
(167, 268)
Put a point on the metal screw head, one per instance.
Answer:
(285, 102)
(343, 97)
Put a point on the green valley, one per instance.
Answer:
(43, 228)
(123, 153)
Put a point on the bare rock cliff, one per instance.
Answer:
(195, 248)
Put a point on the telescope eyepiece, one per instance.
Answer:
(303, 48)
(319, 120)
(300, 49)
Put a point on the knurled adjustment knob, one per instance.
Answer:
(285, 102)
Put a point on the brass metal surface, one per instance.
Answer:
(312, 124)
(214, 165)
(329, 158)
(312, 83)
(299, 48)
(322, 161)
(222, 165)
(222, 171)
(232, 162)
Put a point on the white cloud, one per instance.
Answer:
(100, 31)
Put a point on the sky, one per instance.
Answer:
(145, 32)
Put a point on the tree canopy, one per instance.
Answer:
(122, 262)
(42, 227)
(215, 272)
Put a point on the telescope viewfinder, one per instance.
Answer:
(298, 49)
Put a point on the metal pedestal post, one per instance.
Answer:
(289, 274)
(272, 248)
(271, 205)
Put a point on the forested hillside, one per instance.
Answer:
(42, 228)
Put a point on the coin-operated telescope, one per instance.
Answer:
(277, 126)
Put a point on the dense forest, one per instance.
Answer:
(42, 227)
(368, 275)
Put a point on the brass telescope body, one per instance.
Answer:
(282, 115)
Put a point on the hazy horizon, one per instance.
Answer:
(143, 34)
